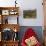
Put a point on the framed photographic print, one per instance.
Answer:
(5, 12)
(13, 12)
(29, 13)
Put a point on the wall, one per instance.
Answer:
(25, 5)
(7, 3)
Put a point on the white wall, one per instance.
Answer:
(25, 5)
(31, 4)
(7, 3)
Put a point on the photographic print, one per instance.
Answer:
(29, 13)
(5, 12)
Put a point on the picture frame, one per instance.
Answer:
(13, 12)
(5, 12)
(30, 13)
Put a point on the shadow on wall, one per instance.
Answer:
(37, 29)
